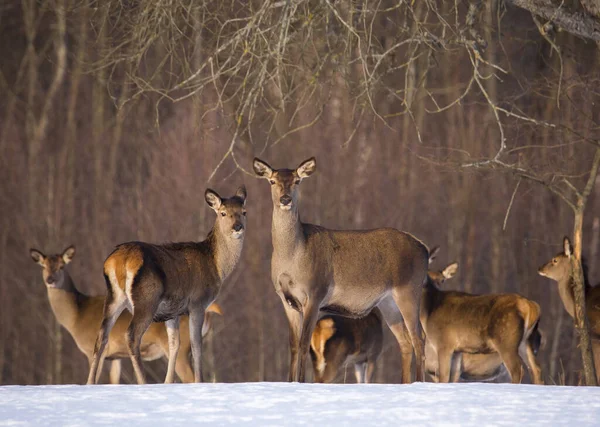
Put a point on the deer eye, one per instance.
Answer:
(272, 181)
(297, 181)
(244, 213)
(223, 214)
(554, 261)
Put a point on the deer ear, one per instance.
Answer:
(567, 247)
(450, 271)
(213, 199)
(68, 254)
(433, 253)
(37, 256)
(242, 194)
(307, 168)
(262, 169)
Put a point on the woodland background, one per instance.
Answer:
(456, 121)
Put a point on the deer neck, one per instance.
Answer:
(567, 293)
(65, 301)
(286, 231)
(226, 250)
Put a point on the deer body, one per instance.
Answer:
(339, 272)
(559, 269)
(339, 341)
(164, 282)
(457, 323)
(80, 315)
(477, 367)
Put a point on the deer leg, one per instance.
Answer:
(183, 368)
(409, 302)
(395, 322)
(369, 372)
(596, 355)
(100, 368)
(528, 357)
(444, 364)
(141, 320)
(173, 334)
(455, 367)
(360, 372)
(113, 307)
(196, 322)
(295, 328)
(512, 361)
(311, 313)
(115, 371)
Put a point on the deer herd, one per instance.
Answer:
(336, 287)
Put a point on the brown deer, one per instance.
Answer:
(559, 270)
(339, 341)
(457, 323)
(81, 315)
(164, 282)
(340, 272)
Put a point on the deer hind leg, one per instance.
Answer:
(408, 301)
(113, 307)
(445, 356)
(395, 322)
(369, 372)
(528, 357)
(455, 367)
(596, 354)
(115, 371)
(183, 368)
(172, 326)
(360, 372)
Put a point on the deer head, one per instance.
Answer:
(53, 266)
(438, 278)
(231, 213)
(284, 182)
(559, 267)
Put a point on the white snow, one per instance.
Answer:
(278, 404)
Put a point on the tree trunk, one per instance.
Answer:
(581, 320)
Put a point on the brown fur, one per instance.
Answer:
(339, 341)
(346, 273)
(457, 323)
(164, 282)
(80, 315)
(559, 269)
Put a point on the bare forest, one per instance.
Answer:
(474, 125)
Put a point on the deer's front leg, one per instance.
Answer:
(308, 325)
(295, 326)
(196, 321)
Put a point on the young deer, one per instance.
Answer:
(81, 315)
(340, 272)
(458, 323)
(559, 270)
(339, 341)
(164, 282)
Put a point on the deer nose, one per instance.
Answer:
(238, 226)
(50, 280)
(285, 200)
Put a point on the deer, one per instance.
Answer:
(458, 324)
(559, 269)
(81, 315)
(162, 282)
(347, 273)
(340, 341)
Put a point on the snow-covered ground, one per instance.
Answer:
(280, 404)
